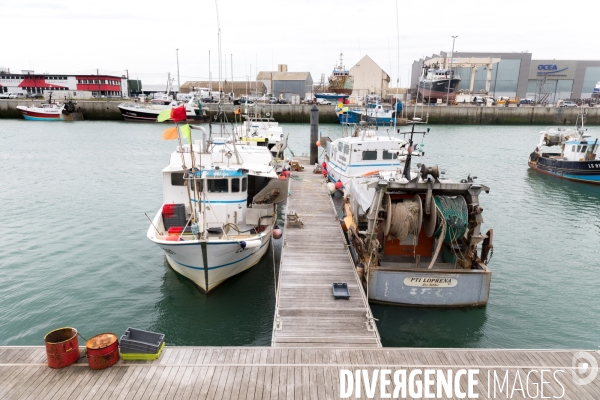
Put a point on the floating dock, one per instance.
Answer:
(314, 256)
(279, 373)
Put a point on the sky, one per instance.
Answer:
(141, 37)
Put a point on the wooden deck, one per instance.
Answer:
(313, 257)
(276, 373)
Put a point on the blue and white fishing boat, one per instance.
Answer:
(218, 209)
(332, 97)
(375, 114)
(578, 159)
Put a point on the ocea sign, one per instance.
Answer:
(548, 67)
(560, 70)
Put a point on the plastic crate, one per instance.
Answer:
(143, 356)
(341, 291)
(173, 215)
(140, 341)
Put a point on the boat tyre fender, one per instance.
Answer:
(268, 114)
(534, 156)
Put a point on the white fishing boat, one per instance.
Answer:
(219, 209)
(366, 151)
(262, 131)
(148, 112)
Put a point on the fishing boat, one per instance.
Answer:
(414, 235)
(257, 129)
(49, 111)
(374, 114)
(340, 81)
(366, 151)
(218, 209)
(437, 83)
(333, 97)
(148, 112)
(578, 159)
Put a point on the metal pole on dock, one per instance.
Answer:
(314, 135)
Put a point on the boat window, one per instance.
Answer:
(583, 150)
(340, 146)
(218, 185)
(573, 149)
(387, 155)
(346, 149)
(177, 179)
(369, 155)
(244, 184)
(235, 185)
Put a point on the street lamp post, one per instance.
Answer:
(450, 75)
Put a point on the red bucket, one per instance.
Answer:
(62, 347)
(102, 350)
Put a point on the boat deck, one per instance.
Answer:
(313, 257)
(280, 373)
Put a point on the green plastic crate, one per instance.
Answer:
(141, 356)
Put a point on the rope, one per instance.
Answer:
(439, 246)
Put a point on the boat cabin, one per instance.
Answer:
(355, 155)
(579, 150)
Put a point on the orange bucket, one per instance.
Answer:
(102, 350)
(62, 347)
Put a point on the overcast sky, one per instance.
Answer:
(79, 36)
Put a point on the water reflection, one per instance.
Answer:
(425, 327)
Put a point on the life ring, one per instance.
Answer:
(268, 114)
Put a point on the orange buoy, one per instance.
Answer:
(102, 350)
(318, 143)
(62, 347)
(338, 185)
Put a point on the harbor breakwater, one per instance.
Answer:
(300, 113)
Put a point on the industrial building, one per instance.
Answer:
(517, 75)
(238, 88)
(28, 82)
(284, 84)
(369, 79)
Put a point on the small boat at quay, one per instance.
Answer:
(48, 111)
(375, 114)
(218, 209)
(414, 235)
(578, 158)
(148, 112)
(333, 97)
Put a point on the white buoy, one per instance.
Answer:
(250, 244)
(331, 187)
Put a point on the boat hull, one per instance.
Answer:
(354, 117)
(332, 96)
(225, 258)
(40, 116)
(439, 89)
(145, 115)
(432, 288)
(580, 171)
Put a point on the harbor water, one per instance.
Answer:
(74, 250)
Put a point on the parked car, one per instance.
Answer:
(34, 96)
(273, 100)
(568, 104)
(282, 101)
(323, 101)
(8, 95)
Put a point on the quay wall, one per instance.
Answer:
(458, 115)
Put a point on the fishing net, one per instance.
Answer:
(454, 211)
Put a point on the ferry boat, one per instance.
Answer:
(414, 236)
(340, 81)
(578, 159)
(375, 114)
(218, 209)
(437, 83)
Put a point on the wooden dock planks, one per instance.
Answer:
(274, 373)
(315, 256)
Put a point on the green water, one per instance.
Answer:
(74, 250)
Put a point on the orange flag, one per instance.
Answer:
(170, 133)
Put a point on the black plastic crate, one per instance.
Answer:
(177, 218)
(341, 291)
(140, 341)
